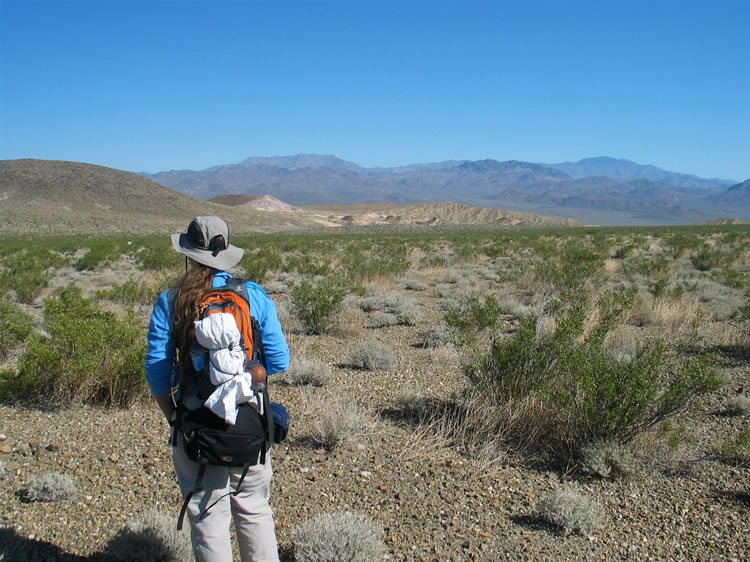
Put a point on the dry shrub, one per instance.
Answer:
(372, 355)
(738, 405)
(573, 511)
(306, 371)
(49, 487)
(152, 537)
(334, 537)
(333, 419)
(608, 460)
(438, 336)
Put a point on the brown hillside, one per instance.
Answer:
(45, 196)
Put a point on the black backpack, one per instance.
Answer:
(207, 438)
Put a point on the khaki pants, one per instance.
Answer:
(253, 518)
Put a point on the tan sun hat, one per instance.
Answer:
(200, 243)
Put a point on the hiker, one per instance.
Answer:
(212, 502)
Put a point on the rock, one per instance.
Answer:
(53, 447)
(5, 449)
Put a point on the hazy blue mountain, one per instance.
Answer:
(625, 170)
(299, 161)
(613, 196)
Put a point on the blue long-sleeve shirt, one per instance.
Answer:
(161, 367)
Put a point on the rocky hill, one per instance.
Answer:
(44, 196)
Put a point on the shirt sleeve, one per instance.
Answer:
(274, 341)
(160, 357)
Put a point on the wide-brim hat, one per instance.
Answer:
(203, 244)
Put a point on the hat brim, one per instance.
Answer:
(223, 260)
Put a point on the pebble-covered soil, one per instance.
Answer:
(433, 502)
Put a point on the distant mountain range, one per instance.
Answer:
(52, 197)
(599, 190)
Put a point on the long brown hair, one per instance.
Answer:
(187, 295)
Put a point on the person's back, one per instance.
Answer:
(172, 342)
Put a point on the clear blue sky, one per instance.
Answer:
(158, 85)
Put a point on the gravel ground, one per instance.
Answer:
(432, 502)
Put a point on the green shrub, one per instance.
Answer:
(257, 264)
(130, 292)
(86, 355)
(707, 259)
(15, 327)
(334, 537)
(25, 275)
(316, 305)
(472, 315)
(592, 396)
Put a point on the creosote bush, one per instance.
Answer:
(372, 355)
(589, 395)
(87, 355)
(49, 487)
(15, 327)
(337, 537)
(152, 537)
(316, 305)
(572, 511)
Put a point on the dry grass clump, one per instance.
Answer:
(152, 537)
(49, 487)
(334, 537)
(372, 355)
(674, 313)
(306, 371)
(332, 420)
(572, 511)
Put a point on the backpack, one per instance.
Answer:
(207, 438)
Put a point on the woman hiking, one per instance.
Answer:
(212, 497)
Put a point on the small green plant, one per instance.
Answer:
(572, 511)
(86, 355)
(49, 487)
(151, 537)
(707, 259)
(316, 305)
(15, 327)
(331, 537)
(372, 356)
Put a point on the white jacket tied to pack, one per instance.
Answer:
(218, 333)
